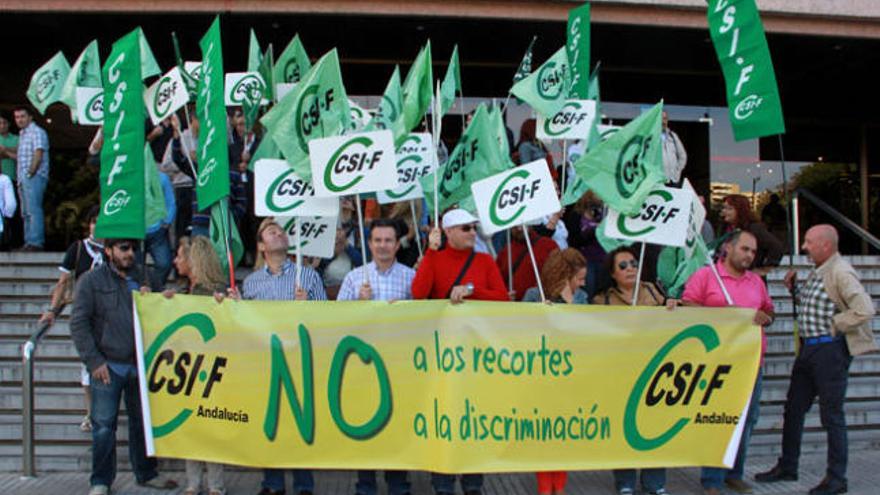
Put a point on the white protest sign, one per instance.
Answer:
(281, 90)
(355, 163)
(278, 191)
(90, 106)
(663, 219)
(317, 235)
(415, 158)
(606, 131)
(360, 117)
(697, 217)
(166, 96)
(244, 86)
(515, 197)
(194, 69)
(572, 121)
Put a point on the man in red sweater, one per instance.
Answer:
(523, 272)
(457, 273)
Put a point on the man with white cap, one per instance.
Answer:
(457, 272)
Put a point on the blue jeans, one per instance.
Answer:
(396, 481)
(105, 413)
(159, 247)
(31, 190)
(303, 481)
(714, 477)
(445, 483)
(652, 479)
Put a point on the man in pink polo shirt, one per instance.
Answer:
(746, 290)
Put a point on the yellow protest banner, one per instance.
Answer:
(426, 385)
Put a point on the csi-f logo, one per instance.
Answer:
(665, 383)
(46, 82)
(95, 107)
(165, 92)
(745, 108)
(286, 192)
(206, 172)
(569, 116)
(248, 89)
(631, 171)
(308, 231)
(655, 210)
(387, 111)
(512, 194)
(457, 166)
(551, 80)
(178, 372)
(116, 202)
(352, 158)
(311, 105)
(292, 72)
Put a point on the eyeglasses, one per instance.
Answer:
(623, 264)
(124, 247)
(467, 228)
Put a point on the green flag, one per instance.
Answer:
(267, 71)
(626, 167)
(251, 104)
(417, 88)
(122, 156)
(266, 149)
(293, 63)
(607, 243)
(451, 83)
(149, 67)
(217, 231)
(213, 158)
(525, 66)
(578, 48)
(752, 96)
(389, 114)
(496, 120)
(154, 204)
(593, 92)
(48, 81)
(546, 89)
(86, 73)
(477, 156)
(254, 57)
(192, 84)
(674, 267)
(316, 108)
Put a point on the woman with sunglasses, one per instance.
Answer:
(623, 266)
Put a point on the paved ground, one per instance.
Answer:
(864, 472)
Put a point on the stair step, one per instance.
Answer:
(865, 414)
(22, 328)
(32, 307)
(769, 444)
(46, 349)
(858, 387)
(10, 257)
(29, 272)
(781, 365)
(39, 288)
(54, 373)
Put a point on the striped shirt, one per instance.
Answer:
(816, 308)
(266, 286)
(31, 139)
(394, 283)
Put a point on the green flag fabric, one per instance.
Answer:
(525, 65)
(191, 83)
(477, 156)
(267, 71)
(316, 108)
(547, 88)
(217, 231)
(451, 83)
(254, 57)
(496, 120)
(389, 114)
(266, 149)
(154, 203)
(578, 48)
(293, 63)
(48, 81)
(213, 159)
(417, 88)
(624, 169)
(607, 243)
(122, 156)
(149, 66)
(85, 73)
(674, 267)
(752, 95)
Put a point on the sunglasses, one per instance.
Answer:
(467, 228)
(124, 247)
(623, 264)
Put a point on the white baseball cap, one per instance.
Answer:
(456, 217)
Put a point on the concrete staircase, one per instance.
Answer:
(27, 279)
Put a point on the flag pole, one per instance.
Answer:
(418, 236)
(298, 240)
(720, 283)
(564, 166)
(534, 264)
(790, 222)
(509, 262)
(357, 202)
(435, 137)
(635, 298)
(227, 233)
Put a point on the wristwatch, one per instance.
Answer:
(470, 288)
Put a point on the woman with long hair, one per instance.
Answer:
(737, 214)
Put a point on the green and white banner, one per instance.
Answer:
(48, 81)
(244, 88)
(663, 219)
(90, 106)
(415, 159)
(193, 68)
(354, 163)
(546, 89)
(578, 48)
(293, 63)
(122, 155)
(317, 235)
(515, 197)
(213, 155)
(741, 46)
(697, 217)
(278, 191)
(166, 96)
(85, 73)
(573, 121)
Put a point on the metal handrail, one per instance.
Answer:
(28, 349)
(833, 213)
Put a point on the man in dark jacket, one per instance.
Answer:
(102, 329)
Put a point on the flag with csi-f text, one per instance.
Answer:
(752, 95)
(624, 169)
(578, 48)
(191, 83)
(48, 81)
(85, 73)
(418, 89)
(122, 174)
(547, 88)
(212, 183)
(316, 108)
(293, 63)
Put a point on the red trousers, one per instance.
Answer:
(551, 481)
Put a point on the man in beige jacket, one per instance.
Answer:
(834, 325)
